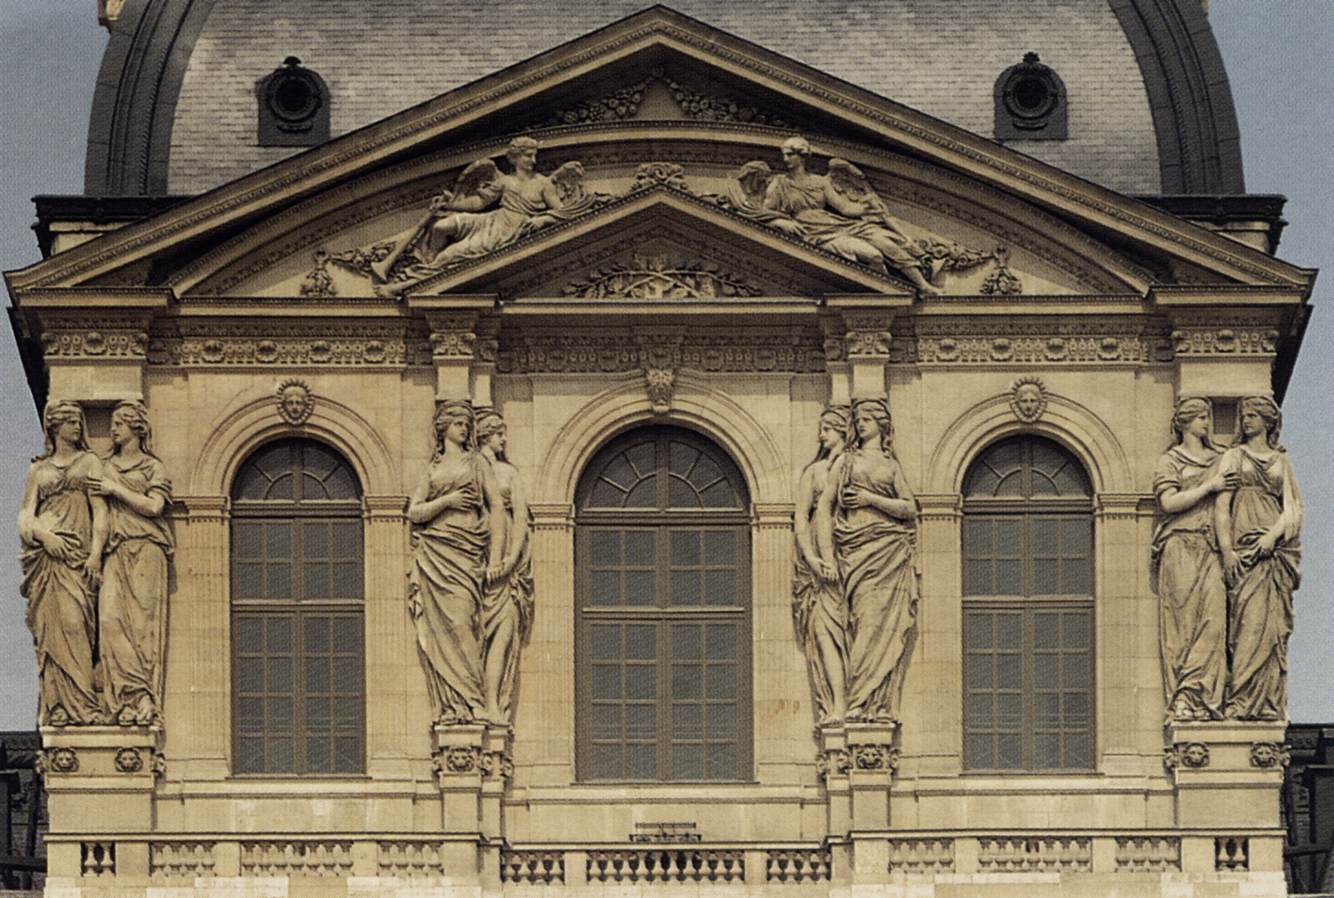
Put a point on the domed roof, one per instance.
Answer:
(175, 108)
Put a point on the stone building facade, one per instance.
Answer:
(655, 463)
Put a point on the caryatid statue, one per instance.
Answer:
(819, 609)
(1258, 521)
(1187, 573)
(62, 528)
(507, 599)
(455, 542)
(132, 603)
(867, 520)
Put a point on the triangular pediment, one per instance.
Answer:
(699, 97)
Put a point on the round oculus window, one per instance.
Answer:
(1030, 94)
(293, 95)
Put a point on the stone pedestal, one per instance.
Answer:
(99, 784)
(1227, 776)
(473, 767)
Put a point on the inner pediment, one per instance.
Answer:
(620, 192)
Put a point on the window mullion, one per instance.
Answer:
(663, 752)
(1026, 677)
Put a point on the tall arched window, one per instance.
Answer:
(662, 549)
(1028, 609)
(298, 693)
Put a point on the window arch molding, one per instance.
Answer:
(694, 406)
(1065, 421)
(252, 421)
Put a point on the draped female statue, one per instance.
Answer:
(1187, 575)
(1258, 524)
(454, 543)
(866, 519)
(819, 610)
(507, 600)
(132, 603)
(61, 528)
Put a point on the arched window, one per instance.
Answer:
(298, 693)
(1028, 609)
(662, 549)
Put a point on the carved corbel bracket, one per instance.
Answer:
(659, 359)
(867, 339)
(464, 344)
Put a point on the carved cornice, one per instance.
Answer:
(552, 515)
(385, 509)
(773, 515)
(258, 342)
(204, 509)
(1122, 506)
(943, 507)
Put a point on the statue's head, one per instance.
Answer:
(490, 430)
(131, 418)
(796, 150)
(869, 418)
(1189, 413)
(67, 414)
(521, 149)
(834, 423)
(454, 424)
(1260, 414)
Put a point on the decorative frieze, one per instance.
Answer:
(1225, 341)
(94, 338)
(261, 343)
(1193, 755)
(613, 351)
(660, 277)
(867, 337)
(1270, 755)
(1032, 341)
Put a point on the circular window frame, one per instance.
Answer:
(293, 74)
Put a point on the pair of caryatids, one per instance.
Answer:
(95, 550)
(1225, 555)
(856, 587)
(470, 589)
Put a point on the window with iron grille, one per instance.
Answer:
(662, 556)
(298, 662)
(1028, 609)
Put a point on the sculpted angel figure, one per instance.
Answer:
(455, 542)
(132, 603)
(867, 520)
(507, 600)
(1187, 575)
(61, 528)
(1258, 523)
(819, 610)
(488, 210)
(840, 212)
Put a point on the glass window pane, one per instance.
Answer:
(605, 721)
(604, 641)
(641, 642)
(685, 547)
(604, 548)
(682, 458)
(619, 473)
(687, 762)
(640, 588)
(721, 722)
(641, 721)
(341, 484)
(641, 548)
(687, 642)
(720, 494)
(346, 536)
(247, 581)
(720, 587)
(606, 495)
(1009, 577)
(722, 761)
(605, 762)
(606, 681)
(687, 681)
(641, 762)
(644, 494)
(720, 680)
(641, 681)
(977, 712)
(643, 456)
(687, 722)
(681, 494)
(720, 547)
(604, 588)
(687, 588)
(721, 640)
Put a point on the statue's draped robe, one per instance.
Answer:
(806, 203)
(1188, 578)
(61, 610)
(818, 608)
(509, 601)
(877, 561)
(1260, 601)
(446, 583)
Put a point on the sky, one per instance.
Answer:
(1279, 56)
